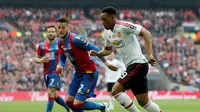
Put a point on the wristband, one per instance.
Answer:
(106, 63)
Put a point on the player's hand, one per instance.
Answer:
(112, 67)
(93, 53)
(152, 60)
(59, 68)
(45, 59)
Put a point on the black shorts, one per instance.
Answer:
(135, 78)
(109, 86)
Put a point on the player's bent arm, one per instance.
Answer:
(105, 52)
(38, 59)
(62, 60)
(148, 40)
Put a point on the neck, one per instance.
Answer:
(50, 41)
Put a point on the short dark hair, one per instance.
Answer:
(63, 20)
(51, 26)
(109, 10)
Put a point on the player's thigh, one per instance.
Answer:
(87, 86)
(74, 85)
(52, 92)
(139, 82)
(70, 98)
(130, 78)
(52, 80)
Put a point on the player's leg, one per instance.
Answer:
(141, 90)
(85, 91)
(50, 91)
(118, 91)
(73, 88)
(59, 99)
(125, 82)
(146, 103)
(109, 90)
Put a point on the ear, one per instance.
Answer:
(113, 17)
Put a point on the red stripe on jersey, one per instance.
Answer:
(124, 23)
(39, 51)
(46, 50)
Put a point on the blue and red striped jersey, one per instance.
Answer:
(51, 51)
(76, 48)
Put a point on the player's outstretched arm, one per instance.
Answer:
(39, 59)
(82, 43)
(105, 51)
(61, 62)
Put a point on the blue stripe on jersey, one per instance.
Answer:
(67, 45)
(54, 51)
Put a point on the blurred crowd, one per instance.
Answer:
(176, 55)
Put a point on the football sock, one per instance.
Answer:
(61, 102)
(50, 105)
(126, 102)
(152, 107)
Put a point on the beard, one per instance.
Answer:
(51, 37)
(64, 36)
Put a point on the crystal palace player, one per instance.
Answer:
(82, 86)
(122, 35)
(48, 54)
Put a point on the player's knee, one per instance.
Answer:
(142, 102)
(52, 93)
(115, 92)
(78, 106)
(142, 99)
(117, 88)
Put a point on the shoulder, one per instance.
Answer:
(78, 38)
(126, 24)
(41, 45)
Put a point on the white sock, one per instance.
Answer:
(126, 102)
(152, 107)
(111, 102)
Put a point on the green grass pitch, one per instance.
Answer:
(166, 105)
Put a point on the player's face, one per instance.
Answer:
(62, 29)
(51, 33)
(107, 21)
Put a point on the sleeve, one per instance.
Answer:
(62, 60)
(39, 51)
(81, 42)
(62, 56)
(107, 42)
(133, 28)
